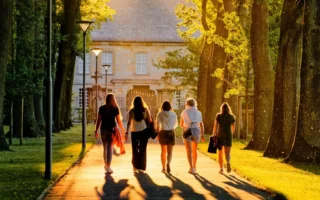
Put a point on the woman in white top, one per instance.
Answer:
(191, 118)
(139, 116)
(166, 123)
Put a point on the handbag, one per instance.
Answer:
(213, 144)
(151, 131)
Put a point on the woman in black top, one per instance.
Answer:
(224, 127)
(139, 117)
(108, 114)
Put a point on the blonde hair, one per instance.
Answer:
(191, 102)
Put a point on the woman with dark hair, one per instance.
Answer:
(191, 120)
(224, 127)
(139, 117)
(166, 123)
(108, 115)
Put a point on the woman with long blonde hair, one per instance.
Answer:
(139, 117)
(224, 127)
(108, 115)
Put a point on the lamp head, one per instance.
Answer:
(106, 67)
(96, 51)
(84, 25)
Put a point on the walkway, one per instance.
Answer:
(87, 180)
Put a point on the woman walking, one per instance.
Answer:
(108, 115)
(191, 120)
(224, 127)
(166, 123)
(139, 117)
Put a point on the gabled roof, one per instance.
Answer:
(141, 21)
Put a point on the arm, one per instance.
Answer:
(129, 122)
(149, 116)
(181, 122)
(233, 128)
(119, 121)
(97, 126)
(215, 127)
(202, 131)
(158, 123)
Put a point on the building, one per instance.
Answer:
(140, 35)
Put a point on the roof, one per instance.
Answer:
(140, 21)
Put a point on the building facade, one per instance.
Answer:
(139, 36)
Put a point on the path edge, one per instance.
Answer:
(45, 191)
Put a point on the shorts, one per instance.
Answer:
(167, 137)
(196, 132)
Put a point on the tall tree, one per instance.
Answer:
(205, 64)
(65, 63)
(284, 117)
(306, 147)
(263, 75)
(6, 13)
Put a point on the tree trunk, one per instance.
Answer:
(6, 13)
(205, 61)
(306, 147)
(64, 65)
(263, 76)
(18, 121)
(284, 117)
(68, 110)
(38, 111)
(215, 90)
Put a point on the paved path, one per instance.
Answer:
(87, 180)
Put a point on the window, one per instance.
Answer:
(80, 67)
(107, 60)
(178, 98)
(80, 98)
(109, 90)
(141, 63)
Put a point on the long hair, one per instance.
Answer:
(138, 107)
(166, 106)
(111, 102)
(225, 109)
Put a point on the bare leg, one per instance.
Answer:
(188, 148)
(169, 155)
(227, 151)
(163, 156)
(194, 154)
(221, 158)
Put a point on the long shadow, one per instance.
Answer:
(113, 190)
(216, 191)
(151, 189)
(242, 185)
(185, 191)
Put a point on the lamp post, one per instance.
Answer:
(106, 67)
(96, 51)
(48, 157)
(84, 25)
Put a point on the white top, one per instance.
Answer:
(191, 114)
(137, 126)
(167, 120)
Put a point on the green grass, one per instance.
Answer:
(294, 181)
(22, 168)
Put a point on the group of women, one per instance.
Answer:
(139, 120)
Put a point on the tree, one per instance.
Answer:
(6, 13)
(306, 146)
(263, 75)
(284, 117)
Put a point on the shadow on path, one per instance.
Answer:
(113, 190)
(185, 191)
(151, 189)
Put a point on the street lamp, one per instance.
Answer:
(106, 67)
(84, 25)
(96, 51)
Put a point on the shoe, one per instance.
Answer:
(141, 170)
(194, 170)
(135, 170)
(190, 171)
(228, 167)
(221, 171)
(168, 168)
(163, 170)
(109, 170)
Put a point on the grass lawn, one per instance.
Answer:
(22, 168)
(294, 181)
